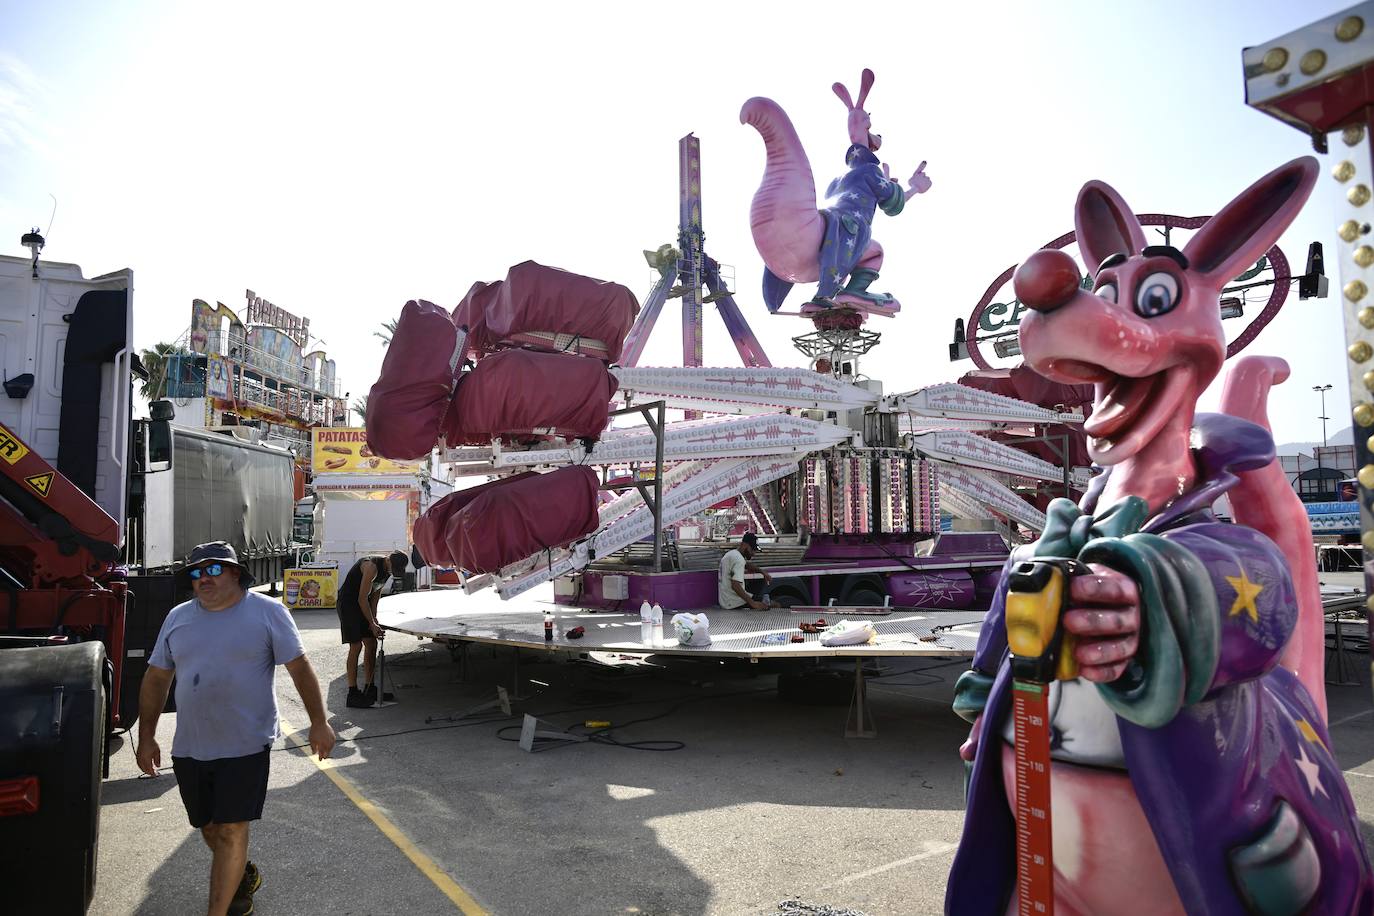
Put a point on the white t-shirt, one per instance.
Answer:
(731, 569)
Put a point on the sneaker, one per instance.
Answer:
(252, 880)
(370, 694)
(357, 699)
(242, 904)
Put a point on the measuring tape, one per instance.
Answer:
(1034, 835)
(1037, 594)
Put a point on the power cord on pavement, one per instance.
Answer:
(603, 735)
(919, 671)
(489, 720)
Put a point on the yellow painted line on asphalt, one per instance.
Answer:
(450, 888)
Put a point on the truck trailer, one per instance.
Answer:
(97, 510)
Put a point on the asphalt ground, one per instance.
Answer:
(765, 801)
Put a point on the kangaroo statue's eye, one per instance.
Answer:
(1156, 295)
(1107, 291)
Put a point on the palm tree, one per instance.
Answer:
(156, 361)
(386, 333)
(360, 408)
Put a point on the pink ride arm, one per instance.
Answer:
(1264, 500)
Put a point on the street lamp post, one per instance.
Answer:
(1322, 390)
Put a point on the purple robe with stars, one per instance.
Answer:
(1246, 800)
(851, 202)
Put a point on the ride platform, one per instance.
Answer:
(449, 615)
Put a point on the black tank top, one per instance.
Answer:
(348, 592)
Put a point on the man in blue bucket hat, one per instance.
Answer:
(223, 647)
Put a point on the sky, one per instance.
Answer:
(341, 158)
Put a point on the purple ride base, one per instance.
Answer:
(960, 573)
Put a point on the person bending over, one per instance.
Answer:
(358, 627)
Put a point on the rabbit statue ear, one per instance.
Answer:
(1249, 226)
(1105, 225)
(865, 84)
(843, 93)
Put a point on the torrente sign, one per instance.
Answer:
(260, 311)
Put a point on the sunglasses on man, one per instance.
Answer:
(214, 570)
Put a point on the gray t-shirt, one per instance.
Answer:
(731, 570)
(225, 662)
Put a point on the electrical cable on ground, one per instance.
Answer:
(920, 671)
(491, 719)
(603, 736)
(588, 698)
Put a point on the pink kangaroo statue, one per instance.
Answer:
(1191, 768)
(801, 243)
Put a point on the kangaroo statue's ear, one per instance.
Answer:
(865, 84)
(843, 93)
(1105, 225)
(1249, 226)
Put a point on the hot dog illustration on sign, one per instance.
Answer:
(1190, 765)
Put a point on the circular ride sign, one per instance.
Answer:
(991, 332)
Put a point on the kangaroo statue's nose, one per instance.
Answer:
(1046, 280)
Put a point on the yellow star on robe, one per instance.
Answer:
(1246, 593)
(1309, 732)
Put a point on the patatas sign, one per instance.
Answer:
(342, 450)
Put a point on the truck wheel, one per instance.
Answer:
(83, 857)
(787, 599)
(58, 873)
(92, 852)
(864, 597)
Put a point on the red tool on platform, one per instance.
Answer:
(1037, 595)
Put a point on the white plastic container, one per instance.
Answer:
(656, 620)
(646, 623)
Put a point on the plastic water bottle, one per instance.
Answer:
(646, 622)
(656, 621)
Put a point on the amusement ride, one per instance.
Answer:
(1154, 669)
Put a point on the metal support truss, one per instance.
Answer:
(836, 345)
(653, 416)
(682, 272)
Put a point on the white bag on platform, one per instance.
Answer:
(692, 629)
(848, 633)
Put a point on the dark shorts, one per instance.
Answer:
(223, 791)
(352, 624)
